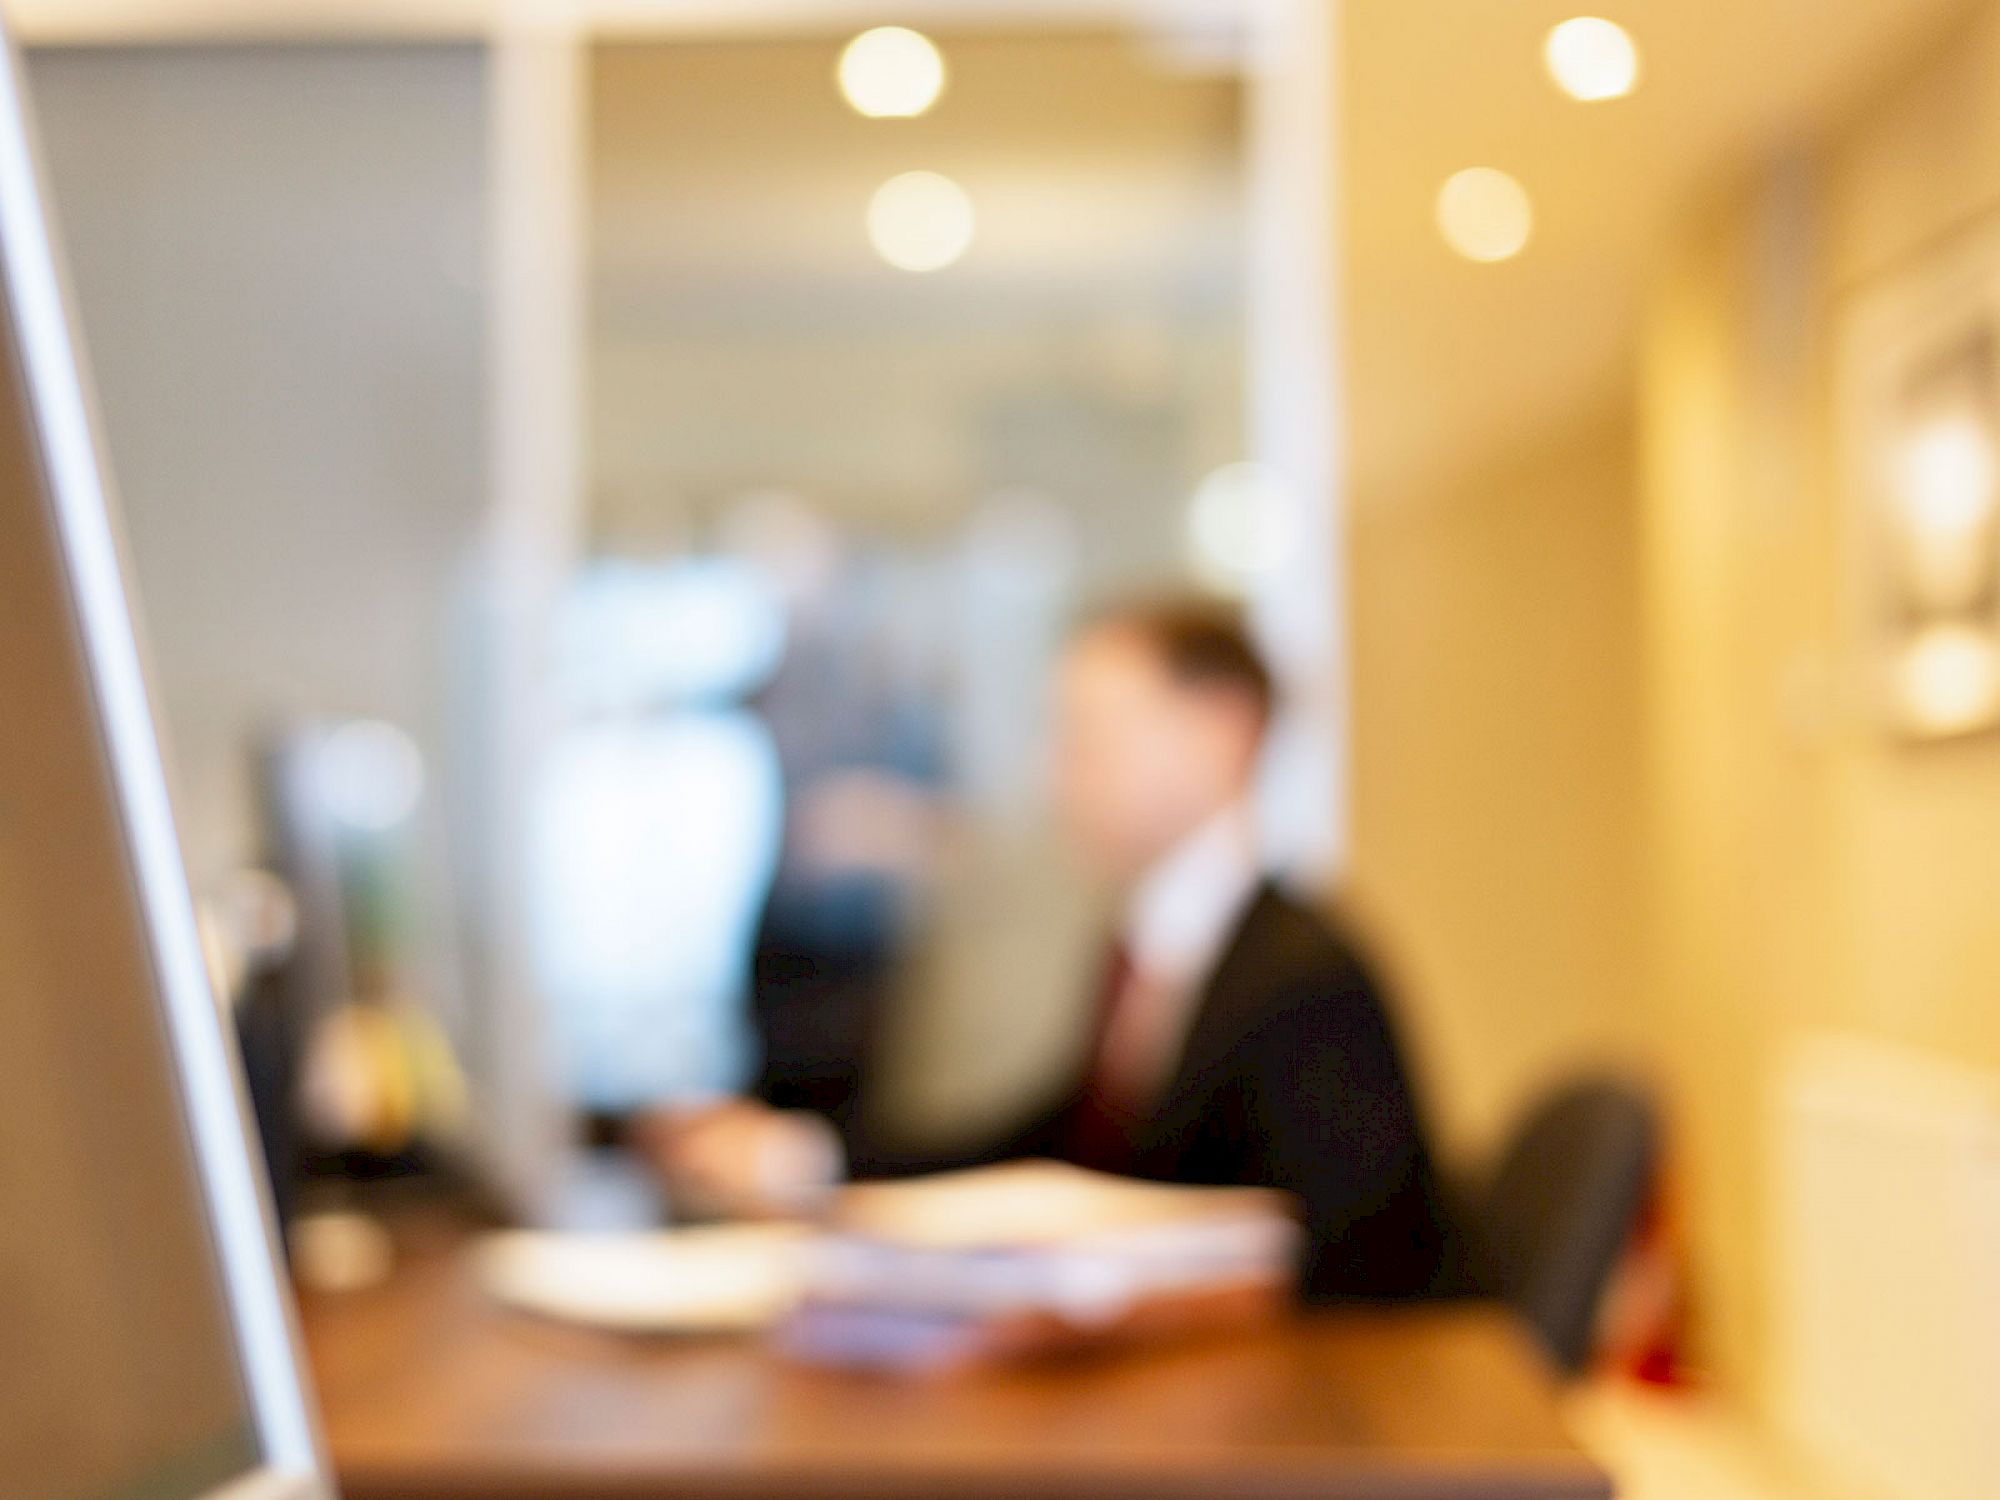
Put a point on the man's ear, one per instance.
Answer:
(1235, 715)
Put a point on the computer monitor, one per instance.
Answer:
(146, 1344)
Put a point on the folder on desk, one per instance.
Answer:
(1035, 1258)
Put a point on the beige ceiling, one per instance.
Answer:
(729, 178)
(744, 332)
(1450, 362)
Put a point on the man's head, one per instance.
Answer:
(1161, 713)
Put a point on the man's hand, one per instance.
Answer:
(737, 1158)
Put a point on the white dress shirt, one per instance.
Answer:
(1178, 920)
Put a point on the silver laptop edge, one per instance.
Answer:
(230, 1172)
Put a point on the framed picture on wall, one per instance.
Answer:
(1918, 411)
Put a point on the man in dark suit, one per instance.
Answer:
(1238, 1038)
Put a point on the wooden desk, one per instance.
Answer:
(431, 1393)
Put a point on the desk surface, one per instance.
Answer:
(431, 1393)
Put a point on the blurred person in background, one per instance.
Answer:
(1238, 1036)
(858, 751)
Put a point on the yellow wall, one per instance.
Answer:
(1733, 541)
(1495, 768)
(1615, 787)
(1810, 871)
(1923, 828)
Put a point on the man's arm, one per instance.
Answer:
(1034, 1132)
(739, 1157)
(1333, 1122)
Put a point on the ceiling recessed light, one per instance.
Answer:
(1484, 214)
(920, 221)
(1591, 58)
(892, 72)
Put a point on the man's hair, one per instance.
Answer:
(1202, 645)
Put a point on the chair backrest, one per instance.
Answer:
(1562, 1206)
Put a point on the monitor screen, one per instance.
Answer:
(143, 1347)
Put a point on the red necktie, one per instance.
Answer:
(1101, 1123)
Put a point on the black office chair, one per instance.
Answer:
(1562, 1206)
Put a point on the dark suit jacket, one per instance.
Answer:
(1290, 1078)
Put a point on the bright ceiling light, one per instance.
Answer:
(920, 221)
(1591, 58)
(891, 73)
(1484, 214)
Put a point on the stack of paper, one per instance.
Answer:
(1032, 1258)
